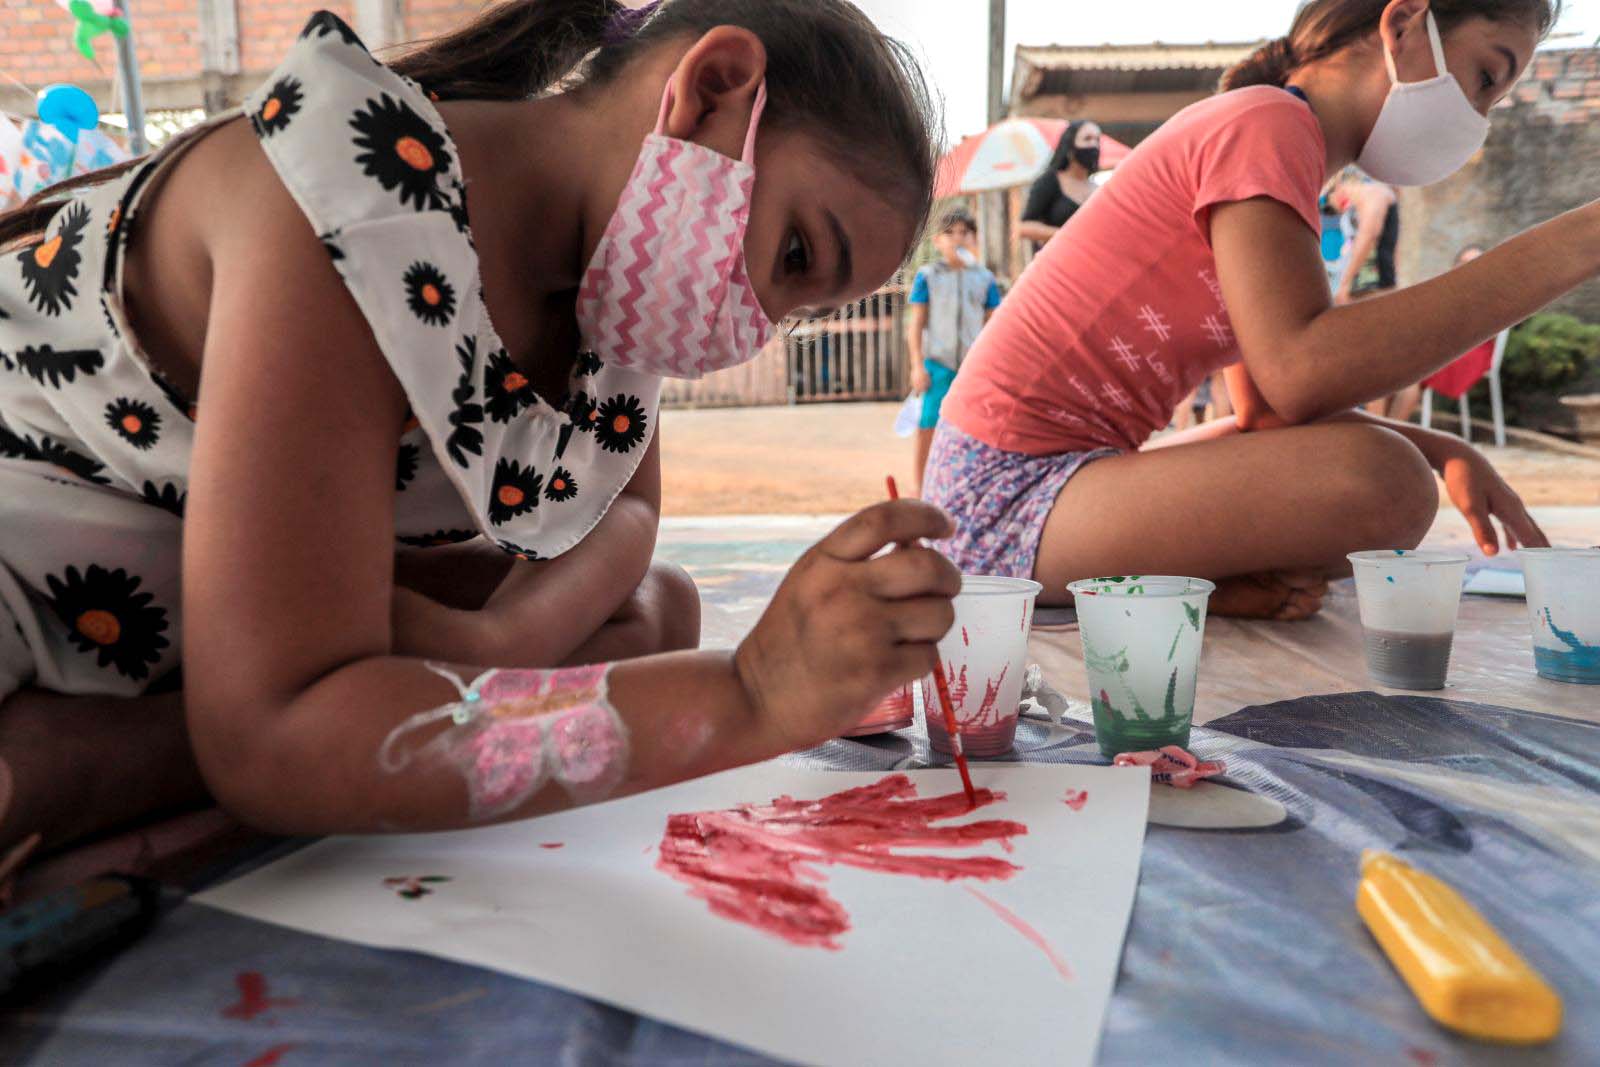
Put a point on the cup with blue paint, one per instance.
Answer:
(1409, 599)
(1564, 610)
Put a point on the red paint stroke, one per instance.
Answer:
(757, 863)
(1422, 1056)
(1076, 799)
(253, 999)
(964, 640)
(273, 1056)
(1035, 938)
(991, 695)
(552, 844)
(958, 684)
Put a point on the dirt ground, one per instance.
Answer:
(821, 459)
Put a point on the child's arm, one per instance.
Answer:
(918, 374)
(302, 716)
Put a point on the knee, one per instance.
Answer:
(1393, 499)
(671, 602)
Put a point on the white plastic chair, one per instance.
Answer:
(1497, 407)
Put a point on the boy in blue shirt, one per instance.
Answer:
(951, 299)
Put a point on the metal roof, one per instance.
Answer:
(1155, 67)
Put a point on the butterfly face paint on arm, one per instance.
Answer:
(513, 731)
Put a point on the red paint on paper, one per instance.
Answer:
(274, 1055)
(964, 639)
(552, 844)
(759, 863)
(1034, 937)
(1076, 799)
(253, 998)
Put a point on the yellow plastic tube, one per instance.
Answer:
(1461, 970)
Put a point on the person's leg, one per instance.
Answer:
(1291, 502)
(940, 379)
(919, 461)
(72, 766)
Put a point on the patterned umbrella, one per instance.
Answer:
(1010, 153)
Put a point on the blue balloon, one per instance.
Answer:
(68, 108)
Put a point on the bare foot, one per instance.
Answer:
(1284, 596)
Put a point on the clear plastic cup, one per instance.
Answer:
(984, 655)
(893, 712)
(1141, 647)
(1408, 600)
(1564, 609)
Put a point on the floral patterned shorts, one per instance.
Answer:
(999, 500)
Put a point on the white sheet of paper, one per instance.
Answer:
(1491, 581)
(927, 974)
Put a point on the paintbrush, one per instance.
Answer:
(945, 703)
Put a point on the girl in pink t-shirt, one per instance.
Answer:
(1203, 253)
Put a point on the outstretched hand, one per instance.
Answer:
(1480, 494)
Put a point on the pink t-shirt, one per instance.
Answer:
(1121, 316)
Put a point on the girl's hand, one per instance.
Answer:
(848, 625)
(921, 380)
(1478, 492)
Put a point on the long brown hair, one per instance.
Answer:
(1325, 27)
(830, 73)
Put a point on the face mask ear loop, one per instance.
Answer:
(1440, 70)
(666, 104)
(755, 120)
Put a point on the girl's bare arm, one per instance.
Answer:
(304, 718)
(1310, 359)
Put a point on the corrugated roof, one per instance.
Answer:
(1210, 55)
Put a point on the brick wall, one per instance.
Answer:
(1542, 158)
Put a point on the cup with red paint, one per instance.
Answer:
(893, 712)
(985, 656)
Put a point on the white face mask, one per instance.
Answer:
(1427, 130)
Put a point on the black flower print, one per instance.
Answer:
(5, 362)
(135, 422)
(21, 446)
(105, 613)
(464, 420)
(401, 151)
(431, 297)
(167, 497)
(438, 538)
(330, 245)
(506, 389)
(59, 366)
(588, 364)
(111, 322)
(583, 410)
(620, 423)
(50, 267)
(561, 485)
(515, 491)
(527, 555)
(282, 104)
(405, 468)
(458, 212)
(325, 22)
(170, 391)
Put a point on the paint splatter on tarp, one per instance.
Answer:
(253, 999)
(412, 887)
(758, 863)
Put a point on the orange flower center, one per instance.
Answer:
(515, 381)
(132, 423)
(99, 626)
(270, 109)
(621, 423)
(431, 295)
(594, 414)
(559, 484)
(45, 254)
(510, 496)
(414, 153)
(116, 217)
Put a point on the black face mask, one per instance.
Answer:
(1088, 158)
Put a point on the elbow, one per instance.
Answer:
(235, 748)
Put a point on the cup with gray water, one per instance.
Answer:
(1409, 600)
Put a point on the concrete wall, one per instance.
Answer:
(1542, 158)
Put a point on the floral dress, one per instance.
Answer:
(95, 444)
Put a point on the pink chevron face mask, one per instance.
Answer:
(667, 291)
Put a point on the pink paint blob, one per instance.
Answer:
(504, 765)
(533, 692)
(758, 863)
(590, 749)
(1034, 937)
(1076, 799)
(552, 844)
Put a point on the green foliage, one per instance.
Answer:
(1549, 351)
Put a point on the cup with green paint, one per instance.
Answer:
(1141, 647)
(1564, 609)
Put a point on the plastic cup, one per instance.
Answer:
(1141, 647)
(894, 712)
(985, 656)
(1564, 609)
(1408, 602)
